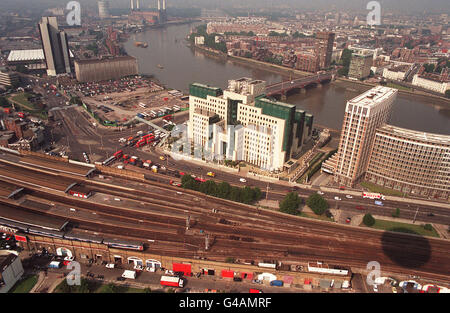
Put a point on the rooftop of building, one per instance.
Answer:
(373, 96)
(106, 60)
(204, 112)
(400, 68)
(205, 86)
(415, 135)
(28, 55)
(6, 260)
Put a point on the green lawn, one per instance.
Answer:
(22, 100)
(383, 190)
(318, 217)
(404, 228)
(25, 285)
(400, 87)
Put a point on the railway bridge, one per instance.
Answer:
(282, 88)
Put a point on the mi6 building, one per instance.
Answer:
(240, 123)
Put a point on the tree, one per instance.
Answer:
(235, 194)
(257, 194)
(290, 203)
(223, 190)
(247, 195)
(188, 182)
(447, 93)
(4, 102)
(428, 227)
(317, 203)
(209, 187)
(396, 213)
(368, 220)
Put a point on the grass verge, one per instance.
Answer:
(24, 285)
(403, 228)
(380, 189)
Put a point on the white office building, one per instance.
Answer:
(239, 123)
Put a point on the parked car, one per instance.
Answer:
(337, 198)
(110, 265)
(242, 180)
(349, 197)
(320, 193)
(348, 220)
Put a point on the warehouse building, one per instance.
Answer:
(105, 69)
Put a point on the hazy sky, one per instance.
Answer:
(358, 5)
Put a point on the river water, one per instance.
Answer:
(183, 65)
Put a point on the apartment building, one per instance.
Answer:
(363, 115)
(8, 78)
(324, 48)
(431, 83)
(411, 161)
(360, 65)
(240, 123)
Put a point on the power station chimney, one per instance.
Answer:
(137, 4)
(164, 5)
(132, 4)
(159, 5)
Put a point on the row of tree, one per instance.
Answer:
(210, 39)
(222, 190)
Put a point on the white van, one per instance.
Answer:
(129, 274)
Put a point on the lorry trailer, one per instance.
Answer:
(172, 281)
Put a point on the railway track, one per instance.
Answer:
(247, 232)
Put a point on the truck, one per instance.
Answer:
(277, 283)
(133, 160)
(377, 202)
(129, 274)
(172, 281)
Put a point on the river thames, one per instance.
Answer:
(171, 61)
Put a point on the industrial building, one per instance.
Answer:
(55, 46)
(105, 69)
(360, 65)
(240, 123)
(148, 16)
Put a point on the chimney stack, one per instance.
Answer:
(159, 5)
(164, 5)
(132, 5)
(137, 4)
